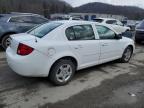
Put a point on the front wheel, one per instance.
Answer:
(62, 72)
(127, 55)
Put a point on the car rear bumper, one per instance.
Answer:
(34, 65)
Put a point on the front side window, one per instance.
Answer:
(105, 33)
(44, 29)
(80, 32)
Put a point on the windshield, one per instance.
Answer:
(42, 30)
(140, 25)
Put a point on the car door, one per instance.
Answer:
(110, 47)
(83, 44)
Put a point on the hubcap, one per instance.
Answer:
(64, 73)
(7, 42)
(127, 54)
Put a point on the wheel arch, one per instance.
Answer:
(131, 47)
(128, 45)
(73, 59)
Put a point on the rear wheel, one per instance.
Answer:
(62, 72)
(6, 41)
(127, 55)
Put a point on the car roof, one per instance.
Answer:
(67, 22)
(75, 21)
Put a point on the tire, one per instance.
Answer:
(59, 77)
(127, 55)
(6, 41)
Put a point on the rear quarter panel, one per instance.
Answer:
(54, 50)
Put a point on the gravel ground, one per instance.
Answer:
(111, 85)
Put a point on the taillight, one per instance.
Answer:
(24, 49)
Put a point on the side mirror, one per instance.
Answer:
(118, 36)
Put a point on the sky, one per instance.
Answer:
(139, 3)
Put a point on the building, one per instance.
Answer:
(91, 16)
(59, 16)
(86, 16)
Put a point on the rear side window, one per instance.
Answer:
(80, 32)
(105, 33)
(44, 29)
(70, 33)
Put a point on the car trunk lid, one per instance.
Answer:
(22, 38)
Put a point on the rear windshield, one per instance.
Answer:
(140, 25)
(42, 30)
(98, 20)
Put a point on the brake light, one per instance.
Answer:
(24, 49)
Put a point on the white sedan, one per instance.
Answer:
(114, 23)
(57, 49)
